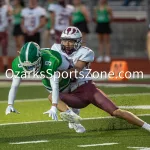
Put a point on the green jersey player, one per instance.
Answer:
(40, 63)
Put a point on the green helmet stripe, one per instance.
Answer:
(27, 51)
(30, 57)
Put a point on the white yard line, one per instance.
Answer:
(43, 99)
(27, 100)
(30, 122)
(23, 84)
(30, 142)
(135, 107)
(92, 145)
(109, 117)
(130, 94)
(44, 121)
(122, 85)
(140, 148)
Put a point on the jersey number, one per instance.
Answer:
(32, 21)
(62, 19)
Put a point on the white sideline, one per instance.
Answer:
(28, 142)
(24, 84)
(43, 99)
(91, 145)
(44, 121)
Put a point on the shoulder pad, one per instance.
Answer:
(86, 54)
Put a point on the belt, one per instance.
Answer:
(75, 86)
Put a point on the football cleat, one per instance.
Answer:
(77, 127)
(70, 116)
(70, 125)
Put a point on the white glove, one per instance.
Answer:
(52, 113)
(52, 31)
(10, 109)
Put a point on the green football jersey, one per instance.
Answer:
(103, 15)
(77, 17)
(51, 60)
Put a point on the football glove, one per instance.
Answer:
(52, 113)
(10, 109)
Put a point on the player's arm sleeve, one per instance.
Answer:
(65, 63)
(87, 56)
(54, 81)
(13, 90)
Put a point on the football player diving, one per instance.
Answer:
(44, 62)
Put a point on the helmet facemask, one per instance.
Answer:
(78, 43)
(31, 68)
(73, 45)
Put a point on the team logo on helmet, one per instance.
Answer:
(70, 31)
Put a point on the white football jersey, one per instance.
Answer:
(62, 15)
(65, 63)
(32, 17)
(3, 18)
(82, 54)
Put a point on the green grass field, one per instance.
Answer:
(32, 126)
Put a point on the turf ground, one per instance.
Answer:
(32, 130)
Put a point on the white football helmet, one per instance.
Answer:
(72, 33)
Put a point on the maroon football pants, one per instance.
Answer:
(88, 94)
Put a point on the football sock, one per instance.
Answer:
(76, 111)
(68, 110)
(146, 126)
